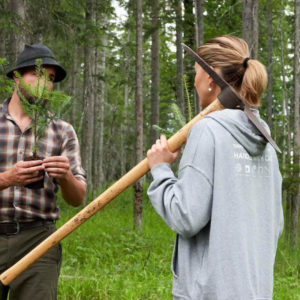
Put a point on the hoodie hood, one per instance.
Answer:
(242, 129)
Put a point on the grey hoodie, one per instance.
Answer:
(226, 209)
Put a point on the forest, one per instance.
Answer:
(127, 72)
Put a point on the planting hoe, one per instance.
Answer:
(228, 98)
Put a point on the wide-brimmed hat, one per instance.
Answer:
(33, 52)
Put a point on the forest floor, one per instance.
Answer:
(106, 259)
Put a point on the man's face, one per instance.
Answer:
(30, 77)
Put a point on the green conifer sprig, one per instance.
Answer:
(43, 106)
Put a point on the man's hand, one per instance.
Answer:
(73, 190)
(23, 172)
(57, 167)
(160, 153)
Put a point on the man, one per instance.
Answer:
(27, 216)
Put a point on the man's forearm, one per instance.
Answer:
(4, 180)
(73, 190)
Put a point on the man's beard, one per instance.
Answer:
(27, 96)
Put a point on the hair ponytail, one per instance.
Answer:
(229, 53)
(254, 82)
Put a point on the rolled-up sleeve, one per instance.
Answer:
(71, 149)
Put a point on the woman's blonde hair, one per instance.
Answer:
(248, 78)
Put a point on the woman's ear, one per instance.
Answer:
(211, 82)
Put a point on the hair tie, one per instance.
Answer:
(245, 62)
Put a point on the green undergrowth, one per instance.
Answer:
(287, 273)
(105, 258)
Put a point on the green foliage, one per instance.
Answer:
(6, 85)
(40, 103)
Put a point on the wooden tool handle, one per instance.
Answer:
(174, 143)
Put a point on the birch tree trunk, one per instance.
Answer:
(295, 198)
(99, 117)
(179, 57)
(138, 186)
(250, 25)
(3, 33)
(73, 91)
(96, 126)
(199, 24)
(199, 38)
(17, 36)
(286, 133)
(88, 110)
(126, 93)
(155, 71)
(269, 68)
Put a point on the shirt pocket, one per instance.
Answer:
(50, 146)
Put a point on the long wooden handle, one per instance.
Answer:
(174, 143)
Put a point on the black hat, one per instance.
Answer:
(33, 52)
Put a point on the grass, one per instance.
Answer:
(105, 258)
(286, 273)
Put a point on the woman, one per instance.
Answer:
(225, 206)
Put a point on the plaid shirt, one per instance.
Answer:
(23, 204)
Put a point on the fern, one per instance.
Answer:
(178, 120)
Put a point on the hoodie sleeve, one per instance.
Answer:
(185, 202)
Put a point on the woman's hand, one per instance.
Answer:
(160, 153)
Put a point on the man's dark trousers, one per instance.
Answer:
(39, 281)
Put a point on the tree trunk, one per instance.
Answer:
(88, 111)
(2, 45)
(286, 147)
(3, 33)
(124, 125)
(285, 105)
(97, 129)
(155, 71)
(138, 187)
(295, 199)
(17, 35)
(73, 91)
(250, 25)
(287, 220)
(179, 57)
(99, 118)
(199, 24)
(270, 62)
(199, 38)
